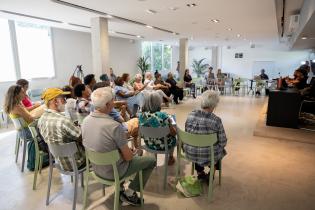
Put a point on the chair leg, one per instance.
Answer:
(155, 159)
(141, 187)
(85, 190)
(40, 163)
(103, 189)
(71, 179)
(220, 173)
(117, 194)
(24, 154)
(37, 162)
(49, 182)
(210, 190)
(17, 146)
(192, 168)
(82, 180)
(165, 170)
(75, 191)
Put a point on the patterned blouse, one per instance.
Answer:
(201, 122)
(155, 120)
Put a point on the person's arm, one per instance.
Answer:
(222, 140)
(125, 95)
(22, 112)
(34, 106)
(126, 153)
(119, 137)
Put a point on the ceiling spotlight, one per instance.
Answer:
(174, 8)
(150, 11)
(229, 29)
(215, 20)
(304, 37)
(191, 5)
(138, 36)
(149, 26)
(238, 35)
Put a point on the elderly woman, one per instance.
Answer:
(204, 121)
(133, 98)
(151, 86)
(152, 116)
(138, 85)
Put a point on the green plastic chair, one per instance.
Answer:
(39, 155)
(108, 158)
(198, 140)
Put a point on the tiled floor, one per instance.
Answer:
(258, 173)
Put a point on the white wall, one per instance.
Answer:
(285, 61)
(199, 53)
(72, 48)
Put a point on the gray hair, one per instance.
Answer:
(152, 102)
(147, 75)
(209, 99)
(138, 76)
(101, 96)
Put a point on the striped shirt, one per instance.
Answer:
(58, 129)
(201, 122)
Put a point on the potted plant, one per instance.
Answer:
(198, 67)
(143, 65)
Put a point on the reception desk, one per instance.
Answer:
(283, 108)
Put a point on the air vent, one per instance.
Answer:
(30, 16)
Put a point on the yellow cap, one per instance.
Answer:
(52, 93)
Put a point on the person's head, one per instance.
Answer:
(125, 77)
(186, 72)
(13, 97)
(69, 89)
(209, 100)
(170, 75)
(103, 99)
(55, 99)
(119, 81)
(148, 75)
(298, 74)
(138, 78)
(90, 80)
(104, 78)
(262, 71)
(307, 63)
(81, 91)
(74, 81)
(152, 102)
(158, 77)
(111, 71)
(23, 83)
(210, 69)
(100, 85)
(219, 71)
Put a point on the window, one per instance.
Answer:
(160, 55)
(6, 53)
(35, 50)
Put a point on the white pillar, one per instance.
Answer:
(216, 61)
(100, 46)
(183, 57)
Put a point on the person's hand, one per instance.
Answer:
(36, 104)
(136, 92)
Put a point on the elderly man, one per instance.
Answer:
(204, 121)
(57, 128)
(101, 133)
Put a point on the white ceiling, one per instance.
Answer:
(255, 20)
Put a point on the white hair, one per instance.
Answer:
(101, 96)
(209, 99)
(147, 75)
(138, 76)
(152, 102)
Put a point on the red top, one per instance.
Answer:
(27, 102)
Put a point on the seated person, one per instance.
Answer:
(188, 83)
(299, 81)
(210, 78)
(151, 116)
(126, 78)
(104, 78)
(112, 76)
(83, 105)
(161, 85)
(138, 85)
(73, 81)
(71, 104)
(26, 101)
(103, 134)
(204, 121)
(177, 91)
(89, 81)
(263, 76)
(58, 129)
(134, 98)
(220, 80)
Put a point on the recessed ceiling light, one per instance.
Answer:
(149, 26)
(304, 37)
(215, 20)
(151, 11)
(191, 5)
(229, 29)
(238, 35)
(138, 36)
(174, 8)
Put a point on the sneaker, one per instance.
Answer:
(133, 200)
(203, 176)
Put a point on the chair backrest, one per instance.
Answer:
(18, 123)
(197, 140)
(63, 150)
(150, 132)
(102, 158)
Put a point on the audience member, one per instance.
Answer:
(26, 101)
(58, 129)
(112, 76)
(126, 79)
(83, 105)
(73, 81)
(263, 76)
(299, 81)
(89, 81)
(138, 85)
(188, 83)
(104, 78)
(209, 77)
(177, 91)
(103, 134)
(152, 116)
(220, 80)
(204, 121)
(71, 103)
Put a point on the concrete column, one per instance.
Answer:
(183, 57)
(216, 58)
(100, 46)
